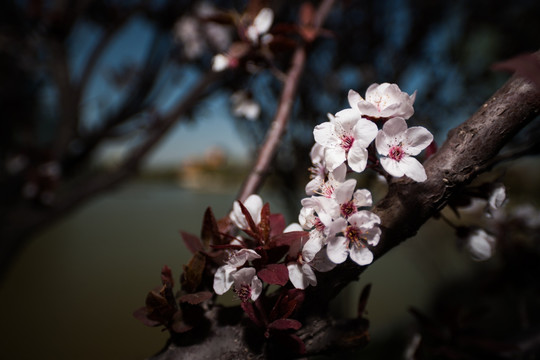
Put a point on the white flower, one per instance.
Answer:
(349, 202)
(397, 145)
(345, 139)
(301, 271)
(386, 101)
(220, 62)
(322, 180)
(497, 196)
(317, 215)
(301, 275)
(223, 278)
(480, 244)
(245, 106)
(254, 205)
(246, 284)
(261, 24)
(352, 113)
(359, 230)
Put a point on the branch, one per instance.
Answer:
(466, 153)
(278, 127)
(27, 218)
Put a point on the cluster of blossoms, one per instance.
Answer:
(334, 220)
(336, 214)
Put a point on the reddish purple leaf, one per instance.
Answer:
(277, 224)
(287, 303)
(210, 231)
(250, 311)
(178, 325)
(285, 324)
(289, 237)
(193, 243)
(196, 298)
(254, 229)
(274, 274)
(264, 225)
(141, 314)
(166, 276)
(525, 65)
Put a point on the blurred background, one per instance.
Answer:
(116, 134)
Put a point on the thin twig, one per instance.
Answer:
(278, 127)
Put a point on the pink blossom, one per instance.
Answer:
(386, 101)
(398, 145)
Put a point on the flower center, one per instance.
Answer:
(243, 292)
(347, 142)
(319, 225)
(396, 152)
(354, 235)
(348, 208)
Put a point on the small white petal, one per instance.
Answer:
(220, 62)
(394, 127)
(392, 166)
(223, 279)
(263, 21)
(297, 276)
(357, 157)
(337, 249)
(418, 138)
(412, 168)
(361, 255)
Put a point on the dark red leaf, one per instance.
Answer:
(277, 224)
(285, 324)
(196, 298)
(287, 303)
(159, 307)
(193, 243)
(191, 278)
(525, 65)
(250, 311)
(288, 237)
(210, 231)
(178, 324)
(141, 314)
(166, 276)
(264, 224)
(274, 274)
(254, 229)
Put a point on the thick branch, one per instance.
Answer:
(465, 154)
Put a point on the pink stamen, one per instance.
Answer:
(319, 225)
(243, 292)
(354, 235)
(396, 152)
(347, 142)
(348, 208)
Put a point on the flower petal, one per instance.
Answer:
(364, 132)
(357, 157)
(337, 249)
(395, 127)
(417, 139)
(223, 279)
(412, 168)
(361, 255)
(354, 98)
(392, 166)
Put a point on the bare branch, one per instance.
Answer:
(278, 127)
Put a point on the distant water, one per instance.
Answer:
(71, 293)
